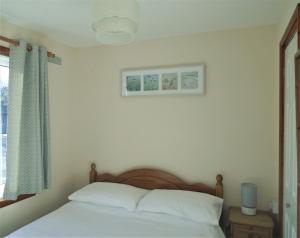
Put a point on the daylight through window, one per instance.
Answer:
(4, 72)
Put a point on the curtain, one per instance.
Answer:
(28, 122)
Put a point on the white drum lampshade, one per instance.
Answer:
(115, 21)
(248, 198)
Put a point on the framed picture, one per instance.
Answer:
(164, 81)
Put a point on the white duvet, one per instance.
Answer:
(76, 219)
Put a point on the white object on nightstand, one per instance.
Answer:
(248, 198)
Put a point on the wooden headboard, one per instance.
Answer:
(156, 179)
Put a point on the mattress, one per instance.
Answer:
(76, 219)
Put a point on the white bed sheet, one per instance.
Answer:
(76, 219)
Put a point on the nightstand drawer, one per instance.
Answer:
(245, 231)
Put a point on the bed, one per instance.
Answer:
(84, 219)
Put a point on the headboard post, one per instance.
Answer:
(93, 173)
(219, 186)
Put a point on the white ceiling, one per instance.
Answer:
(68, 21)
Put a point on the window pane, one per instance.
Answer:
(4, 71)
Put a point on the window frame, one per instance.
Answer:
(4, 51)
(3, 203)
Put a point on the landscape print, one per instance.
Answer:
(134, 83)
(169, 81)
(151, 82)
(189, 80)
(185, 80)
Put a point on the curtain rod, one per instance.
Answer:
(29, 47)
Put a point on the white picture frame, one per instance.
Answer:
(174, 80)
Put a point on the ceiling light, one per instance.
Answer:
(115, 21)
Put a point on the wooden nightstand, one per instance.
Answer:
(242, 226)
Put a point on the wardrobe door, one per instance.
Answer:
(297, 95)
(290, 143)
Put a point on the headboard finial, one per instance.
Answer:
(219, 186)
(219, 179)
(93, 173)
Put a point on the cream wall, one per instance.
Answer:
(61, 110)
(231, 130)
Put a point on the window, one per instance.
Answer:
(4, 72)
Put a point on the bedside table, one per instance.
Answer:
(242, 226)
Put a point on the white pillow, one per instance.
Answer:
(200, 207)
(110, 194)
